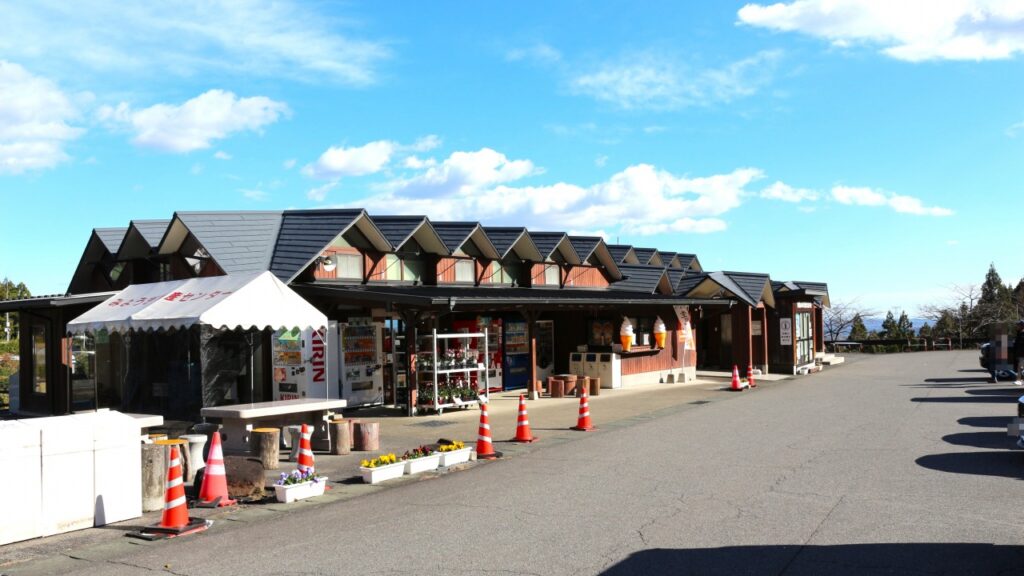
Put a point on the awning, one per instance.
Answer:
(239, 301)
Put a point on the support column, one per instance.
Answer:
(531, 327)
(410, 317)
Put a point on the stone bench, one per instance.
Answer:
(238, 420)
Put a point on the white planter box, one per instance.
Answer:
(382, 473)
(455, 456)
(424, 464)
(294, 492)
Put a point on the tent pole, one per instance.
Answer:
(252, 368)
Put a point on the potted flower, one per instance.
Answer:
(298, 485)
(381, 468)
(453, 452)
(421, 459)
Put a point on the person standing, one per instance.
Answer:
(1018, 353)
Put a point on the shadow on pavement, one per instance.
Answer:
(973, 370)
(1003, 463)
(841, 559)
(1015, 391)
(997, 440)
(960, 399)
(957, 380)
(985, 421)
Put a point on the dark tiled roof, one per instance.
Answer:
(639, 278)
(666, 258)
(815, 286)
(584, 245)
(304, 234)
(644, 254)
(547, 242)
(503, 237)
(240, 242)
(674, 276)
(686, 259)
(619, 251)
(461, 297)
(688, 283)
(398, 229)
(752, 284)
(454, 234)
(152, 231)
(111, 238)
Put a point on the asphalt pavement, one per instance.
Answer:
(894, 464)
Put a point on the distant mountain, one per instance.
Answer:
(875, 324)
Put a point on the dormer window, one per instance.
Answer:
(507, 273)
(465, 270)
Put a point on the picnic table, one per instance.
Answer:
(238, 420)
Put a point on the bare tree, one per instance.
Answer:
(839, 318)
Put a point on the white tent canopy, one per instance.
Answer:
(239, 301)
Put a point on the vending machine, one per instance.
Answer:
(516, 355)
(304, 361)
(362, 374)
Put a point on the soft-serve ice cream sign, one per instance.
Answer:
(659, 332)
(626, 335)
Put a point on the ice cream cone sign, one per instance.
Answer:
(659, 333)
(626, 335)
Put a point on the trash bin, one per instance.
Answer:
(66, 445)
(20, 456)
(117, 465)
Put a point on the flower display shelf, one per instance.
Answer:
(293, 492)
(423, 464)
(432, 375)
(455, 456)
(381, 473)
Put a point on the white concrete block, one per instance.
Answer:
(67, 473)
(117, 466)
(20, 479)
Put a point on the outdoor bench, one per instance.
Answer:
(238, 420)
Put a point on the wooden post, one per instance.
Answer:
(264, 443)
(341, 436)
(531, 327)
(410, 317)
(367, 436)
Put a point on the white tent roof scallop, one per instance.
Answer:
(240, 301)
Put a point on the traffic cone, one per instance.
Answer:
(305, 462)
(523, 433)
(174, 521)
(214, 490)
(583, 424)
(484, 447)
(175, 514)
(750, 376)
(736, 384)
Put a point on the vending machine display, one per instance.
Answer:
(362, 377)
(516, 355)
(301, 363)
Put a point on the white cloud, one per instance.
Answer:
(425, 143)
(860, 196)
(601, 160)
(911, 30)
(319, 194)
(655, 82)
(538, 52)
(289, 163)
(339, 161)
(654, 129)
(786, 193)
(284, 38)
(255, 195)
(194, 125)
(221, 155)
(34, 121)
(416, 163)
(486, 185)
(1015, 129)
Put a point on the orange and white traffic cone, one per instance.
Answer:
(214, 490)
(174, 521)
(583, 423)
(305, 460)
(750, 376)
(523, 433)
(736, 384)
(484, 446)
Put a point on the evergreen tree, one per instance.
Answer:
(858, 331)
(11, 291)
(904, 327)
(924, 331)
(995, 305)
(890, 329)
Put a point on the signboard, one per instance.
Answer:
(755, 327)
(786, 331)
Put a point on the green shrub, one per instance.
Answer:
(9, 347)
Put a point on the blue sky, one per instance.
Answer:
(877, 146)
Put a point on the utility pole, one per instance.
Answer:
(7, 315)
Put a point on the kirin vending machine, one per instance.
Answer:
(362, 374)
(304, 363)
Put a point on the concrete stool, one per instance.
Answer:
(182, 450)
(207, 429)
(196, 444)
(154, 476)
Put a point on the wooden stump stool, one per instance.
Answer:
(595, 386)
(582, 383)
(367, 436)
(570, 383)
(264, 443)
(341, 437)
(556, 387)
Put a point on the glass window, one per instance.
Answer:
(551, 275)
(505, 273)
(349, 266)
(392, 267)
(412, 270)
(39, 359)
(465, 271)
